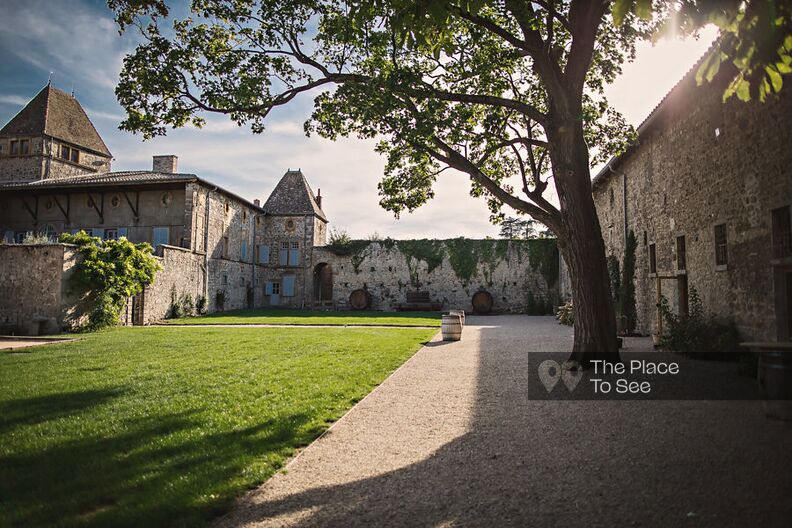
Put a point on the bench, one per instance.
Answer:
(418, 301)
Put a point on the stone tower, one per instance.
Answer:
(51, 137)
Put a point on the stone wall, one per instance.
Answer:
(43, 161)
(181, 273)
(512, 271)
(36, 294)
(701, 163)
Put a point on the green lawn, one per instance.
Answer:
(314, 317)
(165, 426)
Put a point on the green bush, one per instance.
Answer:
(111, 271)
(201, 305)
(538, 305)
(698, 334)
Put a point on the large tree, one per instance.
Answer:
(508, 92)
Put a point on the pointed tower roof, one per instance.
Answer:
(56, 114)
(293, 196)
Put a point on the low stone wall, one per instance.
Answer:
(36, 295)
(519, 274)
(181, 274)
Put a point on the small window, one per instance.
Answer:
(276, 288)
(65, 152)
(294, 254)
(24, 146)
(225, 247)
(15, 148)
(681, 253)
(111, 234)
(782, 232)
(264, 254)
(115, 201)
(646, 238)
(721, 246)
(652, 259)
(244, 215)
(227, 207)
(224, 279)
(75, 155)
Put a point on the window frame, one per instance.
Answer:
(781, 227)
(681, 253)
(720, 231)
(652, 258)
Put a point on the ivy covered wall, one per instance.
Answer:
(521, 275)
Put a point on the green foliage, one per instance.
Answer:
(614, 274)
(153, 427)
(538, 305)
(201, 305)
(566, 314)
(181, 305)
(543, 255)
(466, 255)
(425, 250)
(111, 271)
(698, 334)
(33, 238)
(220, 300)
(627, 308)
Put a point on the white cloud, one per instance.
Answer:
(14, 100)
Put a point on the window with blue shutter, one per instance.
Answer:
(288, 286)
(294, 254)
(264, 254)
(268, 288)
(159, 235)
(243, 250)
(122, 232)
(283, 254)
(97, 232)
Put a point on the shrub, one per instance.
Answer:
(566, 314)
(36, 238)
(220, 300)
(698, 334)
(187, 305)
(111, 271)
(538, 305)
(201, 305)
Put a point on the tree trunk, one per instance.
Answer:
(583, 251)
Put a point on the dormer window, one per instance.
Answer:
(70, 154)
(24, 146)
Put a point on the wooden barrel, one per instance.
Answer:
(775, 379)
(460, 313)
(452, 328)
(360, 299)
(482, 302)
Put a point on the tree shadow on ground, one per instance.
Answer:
(527, 462)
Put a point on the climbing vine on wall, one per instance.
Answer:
(627, 294)
(465, 255)
(543, 256)
(111, 271)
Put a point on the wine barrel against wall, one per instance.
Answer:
(482, 302)
(359, 299)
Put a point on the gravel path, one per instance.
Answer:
(452, 439)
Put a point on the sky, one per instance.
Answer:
(78, 42)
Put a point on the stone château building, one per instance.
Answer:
(707, 190)
(55, 177)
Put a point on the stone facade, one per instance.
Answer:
(36, 291)
(181, 274)
(701, 164)
(513, 272)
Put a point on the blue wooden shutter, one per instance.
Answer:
(268, 288)
(264, 254)
(244, 250)
(122, 232)
(294, 257)
(288, 286)
(283, 257)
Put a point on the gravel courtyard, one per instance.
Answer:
(452, 438)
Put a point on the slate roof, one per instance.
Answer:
(103, 178)
(292, 197)
(118, 179)
(57, 114)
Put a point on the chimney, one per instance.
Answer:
(319, 198)
(257, 202)
(166, 164)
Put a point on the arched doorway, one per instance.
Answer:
(323, 282)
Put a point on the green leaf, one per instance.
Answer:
(774, 78)
(620, 10)
(743, 90)
(643, 8)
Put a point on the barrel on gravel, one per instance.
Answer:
(775, 379)
(360, 299)
(482, 302)
(452, 328)
(460, 313)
